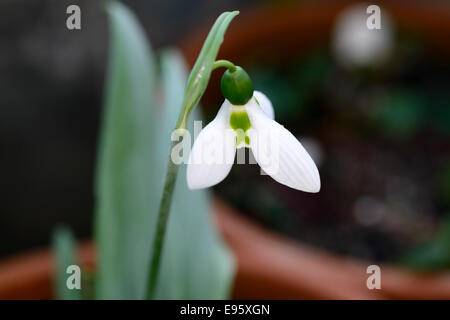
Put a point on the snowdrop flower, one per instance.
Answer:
(246, 120)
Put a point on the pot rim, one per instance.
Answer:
(269, 266)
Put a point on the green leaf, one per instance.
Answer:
(201, 72)
(64, 252)
(133, 150)
(127, 186)
(195, 263)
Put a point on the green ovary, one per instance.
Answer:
(240, 122)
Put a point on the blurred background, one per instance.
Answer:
(371, 106)
(52, 82)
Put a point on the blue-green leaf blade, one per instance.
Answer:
(64, 253)
(126, 184)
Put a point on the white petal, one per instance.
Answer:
(265, 104)
(280, 154)
(212, 155)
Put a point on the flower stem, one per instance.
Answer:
(195, 87)
(224, 63)
(161, 224)
(166, 199)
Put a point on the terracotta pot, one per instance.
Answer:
(270, 265)
(29, 276)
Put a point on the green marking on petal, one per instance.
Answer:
(240, 122)
(256, 101)
(240, 137)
